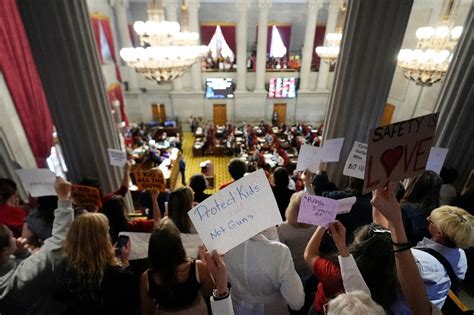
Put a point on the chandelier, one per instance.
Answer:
(166, 51)
(330, 52)
(428, 63)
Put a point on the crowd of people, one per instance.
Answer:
(398, 251)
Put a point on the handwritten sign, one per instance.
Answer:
(332, 150)
(117, 157)
(355, 164)
(150, 180)
(85, 196)
(321, 211)
(39, 182)
(436, 159)
(236, 213)
(398, 150)
(309, 157)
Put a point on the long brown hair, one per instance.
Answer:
(88, 249)
(179, 203)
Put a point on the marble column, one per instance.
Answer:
(312, 15)
(372, 36)
(323, 74)
(72, 79)
(172, 16)
(264, 6)
(193, 10)
(455, 104)
(242, 7)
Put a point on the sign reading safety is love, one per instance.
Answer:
(399, 150)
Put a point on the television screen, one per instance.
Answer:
(282, 88)
(219, 88)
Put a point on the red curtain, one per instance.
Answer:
(114, 92)
(228, 31)
(318, 41)
(103, 21)
(285, 34)
(23, 81)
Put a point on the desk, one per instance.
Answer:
(207, 168)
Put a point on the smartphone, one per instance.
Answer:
(121, 242)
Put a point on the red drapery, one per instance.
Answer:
(99, 19)
(23, 81)
(228, 31)
(318, 41)
(114, 92)
(285, 34)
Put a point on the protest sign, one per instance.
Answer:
(332, 150)
(309, 157)
(398, 150)
(39, 182)
(355, 164)
(436, 159)
(85, 196)
(117, 157)
(150, 180)
(236, 213)
(321, 211)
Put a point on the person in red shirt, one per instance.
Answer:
(237, 169)
(11, 214)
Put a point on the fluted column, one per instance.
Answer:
(455, 104)
(264, 6)
(242, 7)
(72, 80)
(172, 16)
(312, 15)
(372, 36)
(323, 74)
(193, 7)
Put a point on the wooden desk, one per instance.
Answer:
(208, 172)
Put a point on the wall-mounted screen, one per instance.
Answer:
(219, 88)
(282, 87)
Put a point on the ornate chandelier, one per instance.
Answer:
(330, 52)
(166, 51)
(428, 63)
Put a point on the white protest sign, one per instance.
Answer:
(138, 244)
(39, 182)
(236, 213)
(321, 211)
(355, 164)
(117, 157)
(332, 150)
(436, 159)
(309, 157)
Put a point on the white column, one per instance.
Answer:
(323, 74)
(193, 9)
(120, 9)
(172, 16)
(264, 6)
(311, 20)
(242, 46)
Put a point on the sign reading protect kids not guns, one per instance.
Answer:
(398, 150)
(150, 180)
(236, 213)
(85, 196)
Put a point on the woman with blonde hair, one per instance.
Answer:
(296, 235)
(91, 280)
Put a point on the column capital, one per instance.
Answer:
(334, 6)
(264, 4)
(119, 3)
(193, 4)
(242, 4)
(169, 3)
(315, 4)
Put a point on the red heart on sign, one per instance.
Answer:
(390, 158)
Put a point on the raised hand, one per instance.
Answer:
(338, 234)
(63, 188)
(215, 264)
(386, 203)
(21, 247)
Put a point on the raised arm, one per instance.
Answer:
(156, 207)
(311, 252)
(126, 175)
(308, 182)
(410, 280)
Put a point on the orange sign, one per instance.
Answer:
(85, 196)
(150, 180)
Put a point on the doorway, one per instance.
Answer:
(280, 109)
(158, 112)
(220, 114)
(386, 118)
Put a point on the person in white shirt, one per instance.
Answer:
(263, 278)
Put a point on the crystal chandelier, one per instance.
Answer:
(428, 63)
(330, 52)
(166, 51)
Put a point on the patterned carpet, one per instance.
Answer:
(192, 164)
